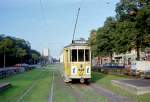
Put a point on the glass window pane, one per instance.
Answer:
(80, 55)
(74, 55)
(87, 55)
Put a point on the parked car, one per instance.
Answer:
(145, 74)
(112, 65)
(141, 68)
(23, 65)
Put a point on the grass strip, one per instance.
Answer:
(105, 81)
(20, 83)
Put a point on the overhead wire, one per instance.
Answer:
(42, 12)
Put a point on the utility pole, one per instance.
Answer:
(4, 58)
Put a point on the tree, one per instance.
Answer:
(24, 45)
(130, 29)
(92, 41)
(143, 24)
(105, 38)
(133, 14)
(35, 56)
(5, 45)
(15, 50)
(125, 9)
(21, 53)
(124, 36)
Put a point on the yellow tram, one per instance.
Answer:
(77, 61)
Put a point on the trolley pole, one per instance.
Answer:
(75, 24)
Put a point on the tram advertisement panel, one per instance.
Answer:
(74, 70)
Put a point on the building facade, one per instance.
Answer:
(127, 58)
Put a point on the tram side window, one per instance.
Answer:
(80, 55)
(87, 55)
(74, 55)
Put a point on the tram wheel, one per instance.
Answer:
(82, 80)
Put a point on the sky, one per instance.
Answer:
(50, 23)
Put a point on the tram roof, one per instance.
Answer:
(78, 43)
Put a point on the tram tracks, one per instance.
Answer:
(98, 90)
(33, 84)
(58, 82)
(86, 92)
(76, 92)
(81, 92)
(111, 96)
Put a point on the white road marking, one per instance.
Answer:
(52, 89)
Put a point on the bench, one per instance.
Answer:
(4, 86)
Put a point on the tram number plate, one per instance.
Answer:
(81, 70)
(74, 70)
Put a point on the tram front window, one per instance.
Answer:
(74, 56)
(80, 55)
(87, 55)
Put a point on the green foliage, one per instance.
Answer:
(128, 9)
(143, 25)
(129, 29)
(35, 56)
(92, 42)
(125, 36)
(105, 38)
(21, 53)
(16, 50)
(6, 44)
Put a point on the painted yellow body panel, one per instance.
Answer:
(82, 69)
(81, 73)
(66, 64)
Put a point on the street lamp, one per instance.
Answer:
(4, 58)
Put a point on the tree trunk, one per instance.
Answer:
(21, 60)
(124, 63)
(138, 44)
(138, 53)
(111, 57)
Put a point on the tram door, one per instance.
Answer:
(65, 61)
